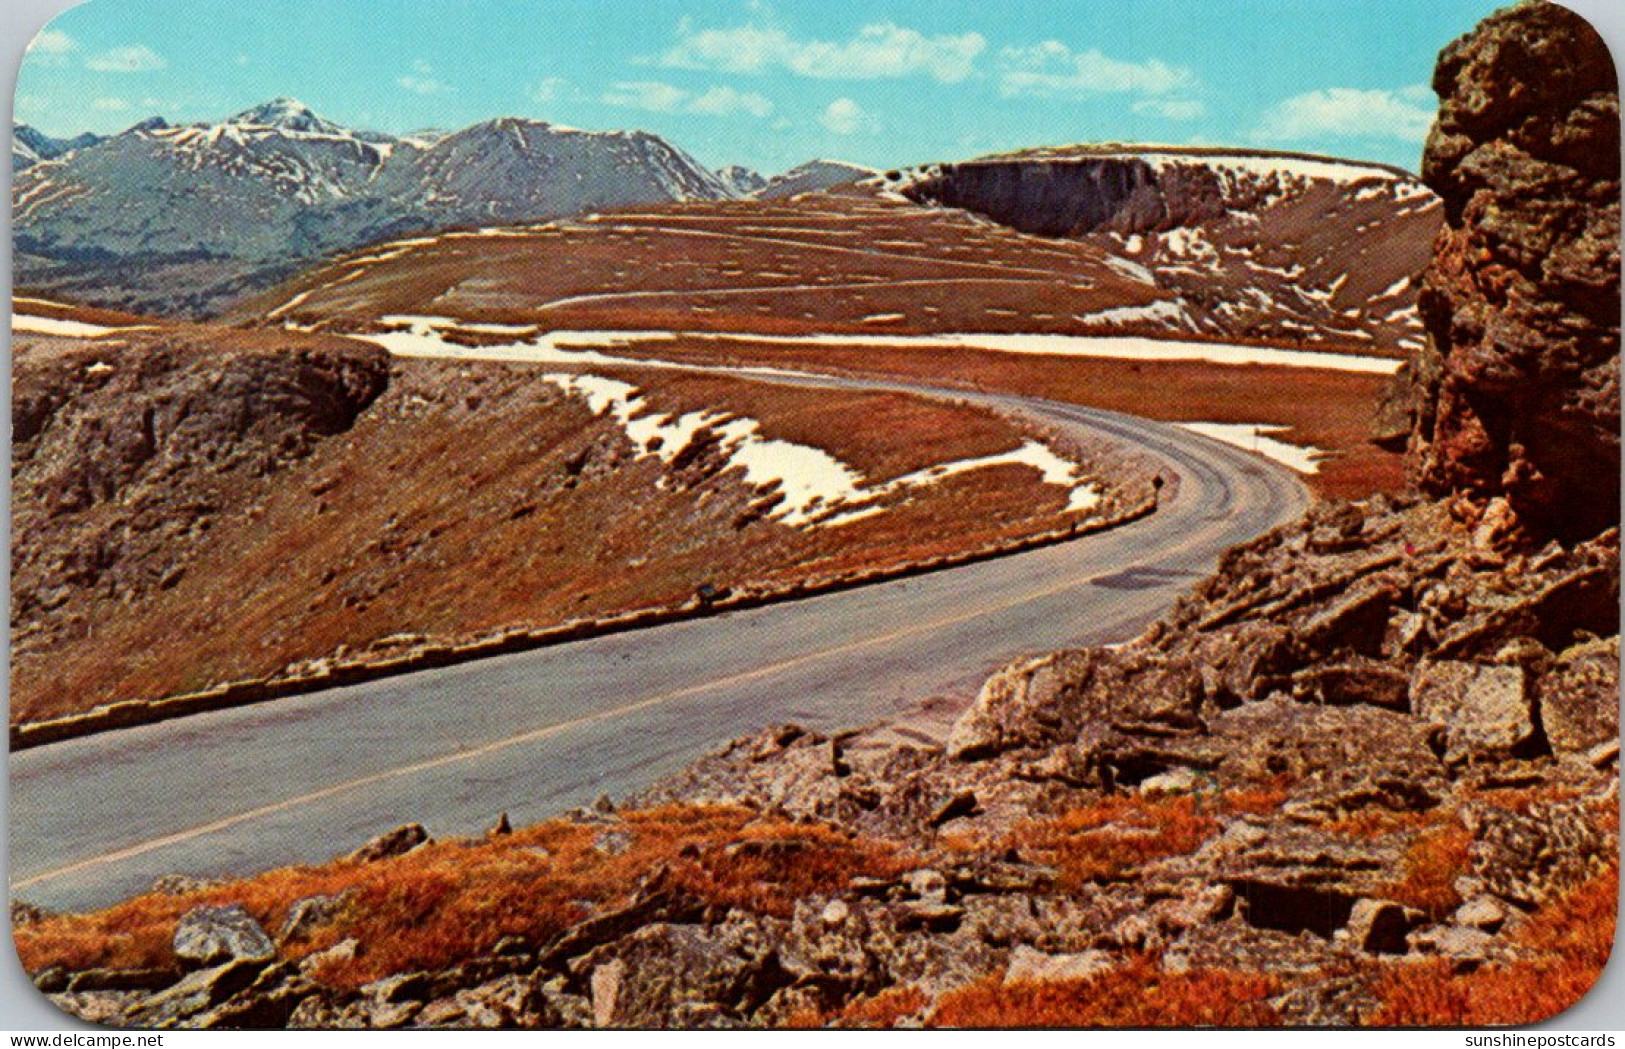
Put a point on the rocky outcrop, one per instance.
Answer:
(1281, 248)
(1517, 392)
(122, 460)
(1059, 198)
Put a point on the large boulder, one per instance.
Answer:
(1579, 700)
(1485, 711)
(667, 975)
(211, 936)
(390, 844)
(1517, 391)
(1027, 704)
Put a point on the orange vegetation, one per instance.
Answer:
(1115, 836)
(1434, 860)
(1139, 994)
(449, 901)
(1567, 944)
(886, 1008)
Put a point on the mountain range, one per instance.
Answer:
(186, 219)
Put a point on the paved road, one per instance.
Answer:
(302, 779)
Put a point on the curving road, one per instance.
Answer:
(303, 779)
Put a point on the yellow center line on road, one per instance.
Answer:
(485, 749)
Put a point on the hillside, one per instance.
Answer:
(863, 280)
(301, 502)
(1258, 245)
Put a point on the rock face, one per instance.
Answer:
(1518, 389)
(121, 460)
(1309, 250)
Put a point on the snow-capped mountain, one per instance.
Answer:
(185, 219)
(30, 145)
(510, 169)
(811, 177)
(740, 180)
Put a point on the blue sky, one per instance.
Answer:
(772, 84)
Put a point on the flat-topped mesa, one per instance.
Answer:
(1516, 394)
(1127, 190)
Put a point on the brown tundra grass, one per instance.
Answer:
(1568, 943)
(1138, 994)
(1115, 836)
(449, 901)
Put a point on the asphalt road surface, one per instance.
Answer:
(303, 779)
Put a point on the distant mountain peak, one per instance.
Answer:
(287, 114)
(741, 180)
(813, 176)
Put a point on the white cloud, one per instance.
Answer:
(1346, 112)
(134, 58)
(110, 105)
(845, 117)
(650, 95)
(657, 97)
(549, 90)
(882, 50)
(1052, 68)
(422, 85)
(725, 101)
(50, 48)
(1171, 108)
(421, 81)
(51, 42)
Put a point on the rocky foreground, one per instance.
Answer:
(1367, 774)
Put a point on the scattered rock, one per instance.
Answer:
(212, 936)
(183, 884)
(1030, 966)
(960, 803)
(194, 993)
(150, 979)
(1174, 781)
(311, 913)
(1482, 912)
(1026, 704)
(397, 842)
(1467, 948)
(1380, 926)
(1579, 700)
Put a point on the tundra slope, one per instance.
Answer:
(1264, 246)
(1268, 250)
